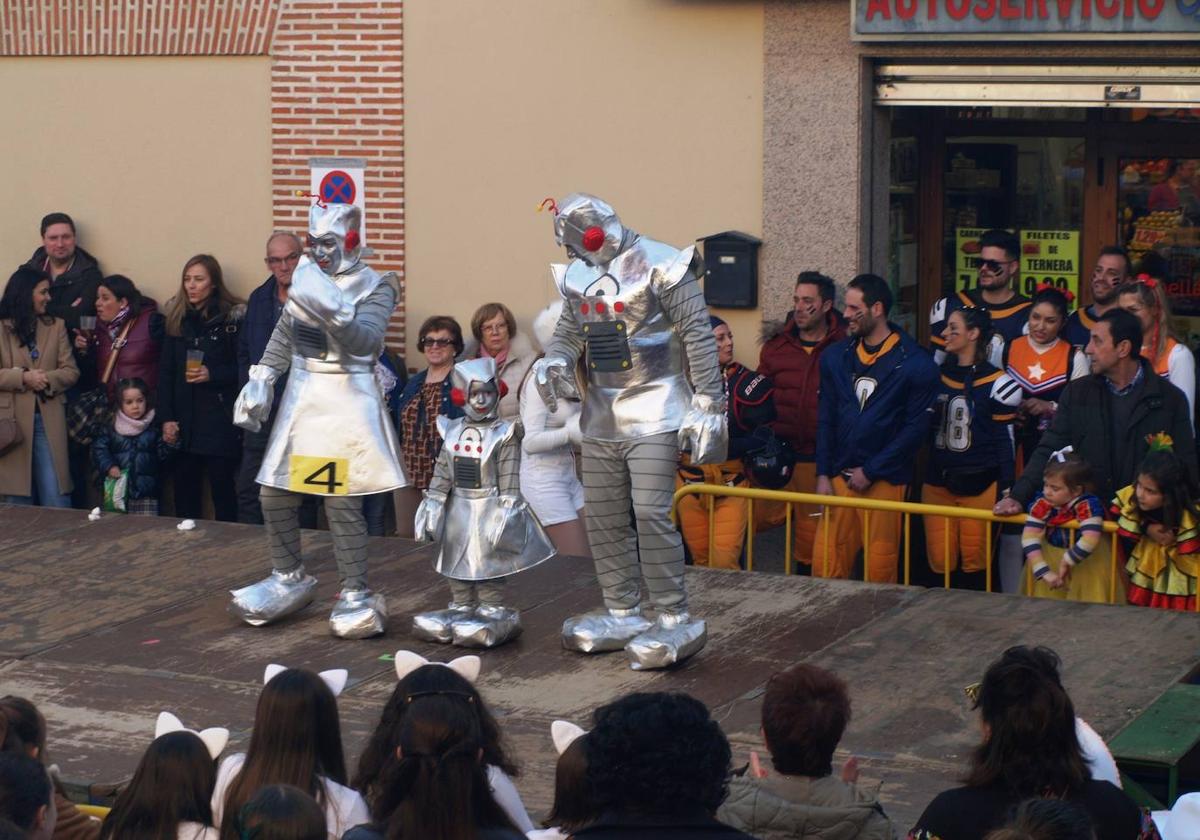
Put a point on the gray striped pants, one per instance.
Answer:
(346, 523)
(638, 476)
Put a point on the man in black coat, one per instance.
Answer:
(74, 276)
(1107, 417)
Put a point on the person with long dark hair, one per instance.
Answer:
(437, 787)
(1159, 525)
(23, 731)
(198, 383)
(168, 796)
(129, 326)
(36, 369)
(297, 740)
(971, 452)
(418, 676)
(1030, 750)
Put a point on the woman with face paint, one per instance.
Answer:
(971, 456)
(1042, 363)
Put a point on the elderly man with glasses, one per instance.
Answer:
(262, 312)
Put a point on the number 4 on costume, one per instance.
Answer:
(308, 473)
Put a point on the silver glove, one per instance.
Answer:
(314, 293)
(554, 377)
(705, 431)
(427, 524)
(253, 405)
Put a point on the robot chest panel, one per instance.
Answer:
(471, 459)
(611, 313)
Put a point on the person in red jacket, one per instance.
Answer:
(791, 358)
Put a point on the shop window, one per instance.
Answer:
(1158, 205)
(902, 270)
(1030, 185)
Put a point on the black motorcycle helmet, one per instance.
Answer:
(771, 462)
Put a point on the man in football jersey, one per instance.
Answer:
(877, 391)
(999, 262)
(1111, 272)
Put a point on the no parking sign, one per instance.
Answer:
(340, 181)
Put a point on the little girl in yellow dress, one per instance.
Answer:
(1160, 529)
(1078, 571)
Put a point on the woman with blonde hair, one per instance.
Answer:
(198, 383)
(1146, 298)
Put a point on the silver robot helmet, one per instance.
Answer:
(588, 228)
(476, 389)
(335, 236)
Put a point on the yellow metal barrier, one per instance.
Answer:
(907, 509)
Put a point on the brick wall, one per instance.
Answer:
(336, 88)
(336, 91)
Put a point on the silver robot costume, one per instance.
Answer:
(331, 436)
(474, 506)
(633, 308)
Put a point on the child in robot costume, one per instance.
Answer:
(332, 436)
(474, 507)
(634, 307)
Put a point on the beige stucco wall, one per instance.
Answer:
(156, 159)
(655, 105)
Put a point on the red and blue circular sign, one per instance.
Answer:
(337, 187)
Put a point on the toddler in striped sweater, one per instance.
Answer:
(1056, 558)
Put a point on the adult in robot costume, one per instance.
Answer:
(474, 507)
(633, 307)
(332, 436)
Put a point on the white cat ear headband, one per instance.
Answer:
(335, 679)
(564, 734)
(215, 738)
(466, 667)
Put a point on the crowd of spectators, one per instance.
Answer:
(108, 395)
(650, 765)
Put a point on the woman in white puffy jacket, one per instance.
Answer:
(549, 481)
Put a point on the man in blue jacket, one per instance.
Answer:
(877, 392)
(263, 310)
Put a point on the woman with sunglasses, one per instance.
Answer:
(425, 396)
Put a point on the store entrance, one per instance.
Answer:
(1068, 181)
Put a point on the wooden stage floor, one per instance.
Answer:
(104, 624)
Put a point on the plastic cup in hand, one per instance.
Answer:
(195, 360)
(87, 323)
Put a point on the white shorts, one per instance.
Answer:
(551, 487)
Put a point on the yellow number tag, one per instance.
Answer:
(317, 475)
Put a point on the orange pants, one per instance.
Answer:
(967, 538)
(804, 517)
(729, 518)
(834, 549)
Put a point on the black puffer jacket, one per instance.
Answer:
(140, 454)
(73, 293)
(204, 411)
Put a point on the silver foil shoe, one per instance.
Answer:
(434, 626)
(603, 632)
(358, 614)
(674, 638)
(274, 597)
(490, 626)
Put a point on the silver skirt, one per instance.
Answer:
(466, 553)
(332, 413)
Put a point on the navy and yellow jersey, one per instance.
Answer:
(873, 407)
(1009, 321)
(1078, 329)
(973, 414)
